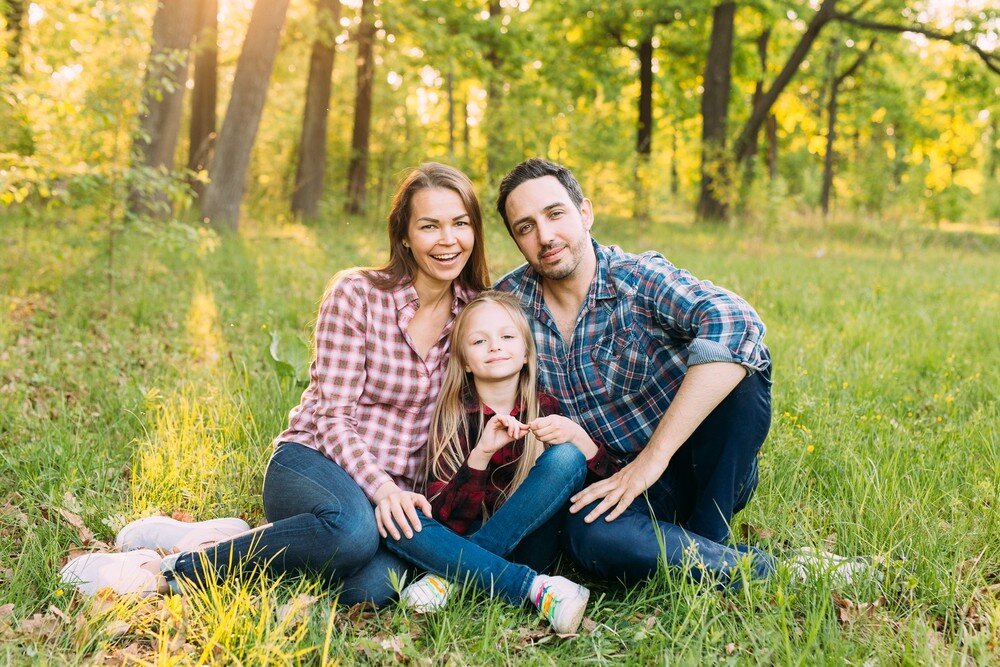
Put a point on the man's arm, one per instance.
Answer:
(703, 388)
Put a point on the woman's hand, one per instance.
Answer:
(556, 429)
(397, 508)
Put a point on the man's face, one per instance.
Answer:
(552, 234)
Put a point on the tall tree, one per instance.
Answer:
(836, 81)
(715, 112)
(312, 145)
(162, 100)
(14, 13)
(357, 172)
(494, 90)
(205, 92)
(227, 173)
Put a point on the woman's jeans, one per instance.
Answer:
(529, 518)
(684, 517)
(321, 522)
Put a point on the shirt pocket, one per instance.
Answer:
(621, 362)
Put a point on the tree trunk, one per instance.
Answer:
(312, 145)
(674, 176)
(745, 141)
(831, 127)
(644, 127)
(771, 131)
(14, 14)
(493, 123)
(836, 81)
(204, 95)
(228, 170)
(715, 183)
(357, 179)
(450, 90)
(750, 166)
(164, 85)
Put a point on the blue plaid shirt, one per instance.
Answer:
(643, 323)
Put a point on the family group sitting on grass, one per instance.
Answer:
(596, 402)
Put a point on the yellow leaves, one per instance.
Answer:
(972, 180)
(878, 115)
(817, 144)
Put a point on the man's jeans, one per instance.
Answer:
(321, 522)
(529, 518)
(689, 509)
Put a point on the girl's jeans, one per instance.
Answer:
(480, 558)
(321, 522)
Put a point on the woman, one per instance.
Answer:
(356, 438)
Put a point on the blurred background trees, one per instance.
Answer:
(720, 110)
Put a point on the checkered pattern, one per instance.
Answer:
(370, 396)
(458, 502)
(643, 323)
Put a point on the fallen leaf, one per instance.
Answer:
(395, 644)
(76, 521)
(39, 626)
(588, 624)
(117, 628)
(296, 610)
(181, 515)
(751, 533)
(830, 542)
(6, 610)
(58, 612)
(731, 648)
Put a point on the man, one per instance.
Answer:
(669, 372)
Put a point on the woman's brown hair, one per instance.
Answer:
(401, 267)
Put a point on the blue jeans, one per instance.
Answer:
(480, 558)
(321, 522)
(689, 509)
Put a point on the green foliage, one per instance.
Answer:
(884, 444)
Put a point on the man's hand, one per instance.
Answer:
(556, 430)
(619, 490)
(395, 507)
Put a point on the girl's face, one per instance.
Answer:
(439, 235)
(493, 346)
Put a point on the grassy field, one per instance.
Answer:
(154, 392)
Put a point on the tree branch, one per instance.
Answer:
(858, 62)
(990, 59)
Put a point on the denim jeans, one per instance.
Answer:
(480, 558)
(689, 509)
(321, 522)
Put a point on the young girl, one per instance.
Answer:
(501, 465)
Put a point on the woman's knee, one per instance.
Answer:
(354, 536)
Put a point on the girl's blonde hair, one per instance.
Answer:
(450, 420)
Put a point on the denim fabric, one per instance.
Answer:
(321, 522)
(689, 509)
(481, 557)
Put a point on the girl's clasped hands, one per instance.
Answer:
(502, 430)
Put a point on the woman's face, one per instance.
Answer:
(439, 235)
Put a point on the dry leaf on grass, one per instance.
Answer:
(849, 611)
(731, 648)
(40, 626)
(751, 533)
(117, 628)
(296, 610)
(181, 515)
(588, 624)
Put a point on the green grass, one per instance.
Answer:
(159, 396)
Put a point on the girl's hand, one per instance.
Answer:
(395, 507)
(500, 430)
(556, 430)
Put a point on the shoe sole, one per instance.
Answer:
(122, 539)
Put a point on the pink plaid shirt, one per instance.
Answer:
(370, 396)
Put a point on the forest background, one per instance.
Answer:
(179, 180)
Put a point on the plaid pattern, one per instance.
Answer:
(460, 501)
(370, 396)
(643, 323)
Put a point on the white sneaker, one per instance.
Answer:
(429, 593)
(166, 534)
(122, 573)
(809, 563)
(560, 601)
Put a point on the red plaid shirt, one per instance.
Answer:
(370, 396)
(460, 501)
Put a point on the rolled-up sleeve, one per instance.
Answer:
(717, 324)
(338, 376)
